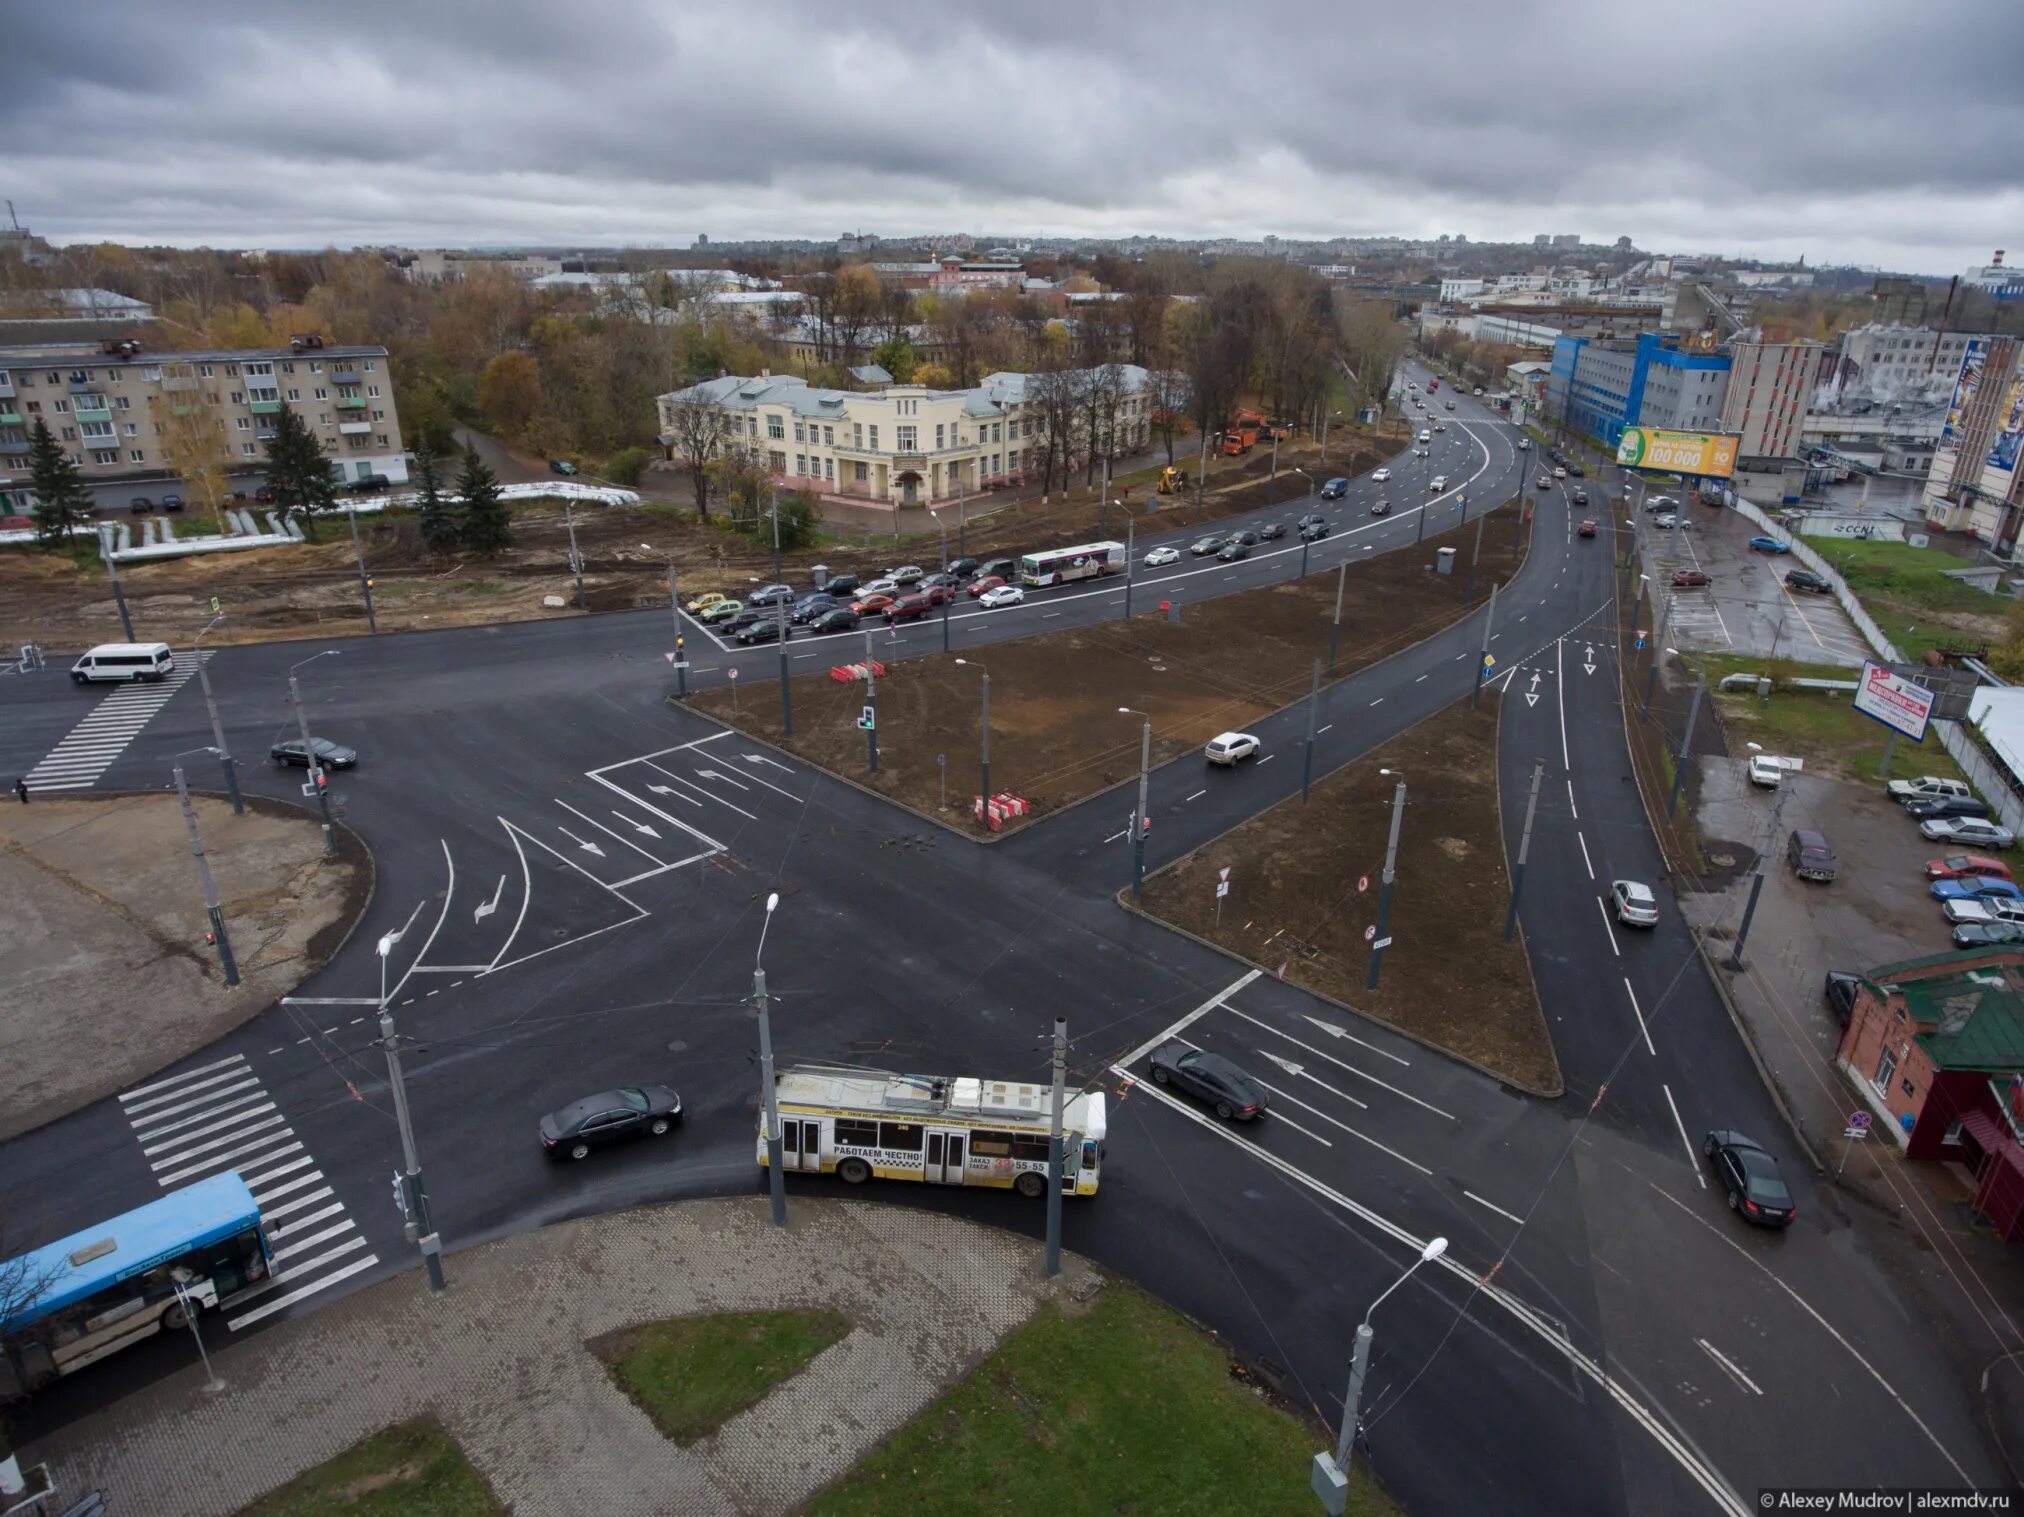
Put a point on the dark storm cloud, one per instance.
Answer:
(1849, 129)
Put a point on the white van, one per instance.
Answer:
(124, 661)
(1425, 435)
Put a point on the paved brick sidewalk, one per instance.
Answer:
(500, 1360)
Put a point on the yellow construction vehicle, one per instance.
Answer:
(1172, 480)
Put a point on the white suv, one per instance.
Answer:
(1437, 484)
(1227, 748)
(1380, 475)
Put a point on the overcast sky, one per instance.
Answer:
(1846, 130)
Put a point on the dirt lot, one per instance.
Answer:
(1055, 732)
(107, 976)
(313, 590)
(1448, 976)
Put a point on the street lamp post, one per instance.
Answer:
(1391, 870)
(984, 814)
(1202, 474)
(769, 1092)
(105, 551)
(1686, 747)
(316, 775)
(417, 1222)
(212, 909)
(217, 727)
(1313, 715)
(950, 594)
(1130, 560)
(1335, 629)
(575, 558)
(1331, 1476)
(1272, 480)
(365, 579)
(1138, 820)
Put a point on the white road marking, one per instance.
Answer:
(1726, 1363)
(1640, 1017)
(1585, 864)
(1320, 730)
(1574, 813)
(1608, 927)
(272, 1213)
(1349, 1037)
(248, 1318)
(243, 1081)
(1322, 1053)
(347, 1225)
(1378, 702)
(1421, 677)
(1191, 1018)
(1493, 1206)
(1280, 1117)
(1560, 698)
(132, 1096)
(616, 837)
(1116, 835)
(1268, 758)
(239, 1131)
(1197, 795)
(237, 1121)
(1693, 1159)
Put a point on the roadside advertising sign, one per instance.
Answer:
(1703, 453)
(1897, 702)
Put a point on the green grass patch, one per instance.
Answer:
(412, 1469)
(1124, 1407)
(1897, 573)
(691, 1374)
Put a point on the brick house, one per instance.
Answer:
(1935, 1048)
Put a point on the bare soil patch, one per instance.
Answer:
(1295, 906)
(1056, 735)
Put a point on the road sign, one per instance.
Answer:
(1489, 662)
(1369, 933)
(1362, 883)
(1640, 640)
(310, 788)
(869, 720)
(1223, 873)
(1222, 889)
(1858, 1119)
(1382, 943)
(733, 673)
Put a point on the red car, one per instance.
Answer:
(870, 604)
(911, 607)
(1967, 866)
(1689, 579)
(988, 582)
(1586, 529)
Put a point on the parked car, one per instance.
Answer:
(1806, 579)
(1202, 547)
(1159, 558)
(985, 583)
(562, 466)
(140, 505)
(1382, 508)
(1968, 832)
(1227, 1089)
(1926, 787)
(1666, 521)
(1807, 852)
(1987, 934)
(963, 568)
(1002, 595)
(1586, 529)
(1574, 469)
(1967, 866)
(264, 496)
(767, 629)
(1230, 748)
(767, 595)
(1231, 551)
(719, 610)
(1378, 475)
(1690, 579)
(1450, 405)
(867, 605)
(1766, 770)
(1336, 488)
(1840, 990)
(1524, 445)
(370, 484)
(1635, 904)
(842, 586)
(611, 1117)
(1477, 391)
(704, 601)
(910, 608)
(809, 607)
(1977, 887)
(1543, 482)
(1762, 544)
(837, 619)
(1006, 569)
(172, 502)
(329, 755)
(1750, 1177)
(1272, 531)
(1314, 531)
(1560, 471)
(1946, 806)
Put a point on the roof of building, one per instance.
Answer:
(990, 398)
(870, 374)
(1977, 1017)
(97, 300)
(76, 335)
(1999, 714)
(68, 353)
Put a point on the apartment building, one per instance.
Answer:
(905, 444)
(104, 405)
(1600, 388)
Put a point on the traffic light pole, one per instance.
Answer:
(316, 774)
(365, 579)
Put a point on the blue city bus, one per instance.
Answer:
(72, 1302)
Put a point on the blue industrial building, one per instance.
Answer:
(1601, 387)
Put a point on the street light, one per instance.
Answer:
(1331, 1476)
(769, 1093)
(984, 810)
(217, 727)
(1138, 820)
(316, 774)
(1380, 936)
(417, 1223)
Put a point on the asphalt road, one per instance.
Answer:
(575, 868)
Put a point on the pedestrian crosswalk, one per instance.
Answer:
(220, 1117)
(92, 745)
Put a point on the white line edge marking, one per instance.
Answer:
(1493, 1206)
(1699, 1470)
(1191, 1018)
(526, 895)
(1728, 1364)
(1608, 930)
(1693, 1159)
(1639, 1011)
(1579, 838)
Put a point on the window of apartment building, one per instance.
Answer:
(372, 392)
(205, 371)
(829, 437)
(105, 455)
(253, 369)
(70, 434)
(379, 416)
(124, 402)
(60, 406)
(906, 439)
(777, 462)
(321, 393)
(248, 449)
(136, 456)
(1885, 1068)
(54, 376)
(829, 468)
(132, 430)
(380, 438)
(800, 464)
(1011, 431)
(1012, 461)
(323, 418)
(860, 471)
(367, 366)
(800, 431)
(774, 430)
(245, 423)
(238, 399)
(994, 463)
(96, 428)
(315, 366)
(857, 434)
(295, 395)
(939, 442)
(874, 437)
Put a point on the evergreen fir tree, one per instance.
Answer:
(442, 521)
(487, 527)
(297, 471)
(63, 504)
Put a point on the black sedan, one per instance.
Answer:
(1751, 1178)
(767, 629)
(1232, 551)
(1272, 530)
(1841, 987)
(1314, 531)
(841, 619)
(1806, 579)
(1382, 508)
(328, 754)
(609, 1117)
(809, 607)
(1212, 1077)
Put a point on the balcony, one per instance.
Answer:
(10, 418)
(344, 376)
(13, 449)
(266, 407)
(6, 383)
(80, 380)
(267, 434)
(92, 404)
(354, 428)
(350, 402)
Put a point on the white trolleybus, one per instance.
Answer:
(946, 1130)
(1059, 566)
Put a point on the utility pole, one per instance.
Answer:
(112, 572)
(1103, 506)
(316, 775)
(1757, 879)
(365, 579)
(1325, 418)
(1524, 847)
(419, 1226)
(962, 514)
(575, 558)
(1272, 479)
(217, 727)
(870, 708)
(1130, 561)
(1483, 663)
(1330, 1477)
(1469, 593)
(769, 1091)
(1202, 475)
(786, 690)
(1391, 868)
(1658, 652)
(1138, 820)
(1313, 715)
(681, 642)
(1686, 748)
(1054, 1148)
(773, 495)
(1335, 631)
(950, 595)
(211, 906)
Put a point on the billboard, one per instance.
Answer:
(1900, 704)
(2009, 439)
(1972, 359)
(1703, 453)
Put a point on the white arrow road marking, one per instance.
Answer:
(636, 826)
(486, 908)
(759, 758)
(713, 774)
(1588, 658)
(679, 795)
(1299, 1072)
(586, 847)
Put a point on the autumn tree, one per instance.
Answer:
(62, 503)
(193, 443)
(486, 527)
(509, 391)
(743, 477)
(698, 432)
(1167, 399)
